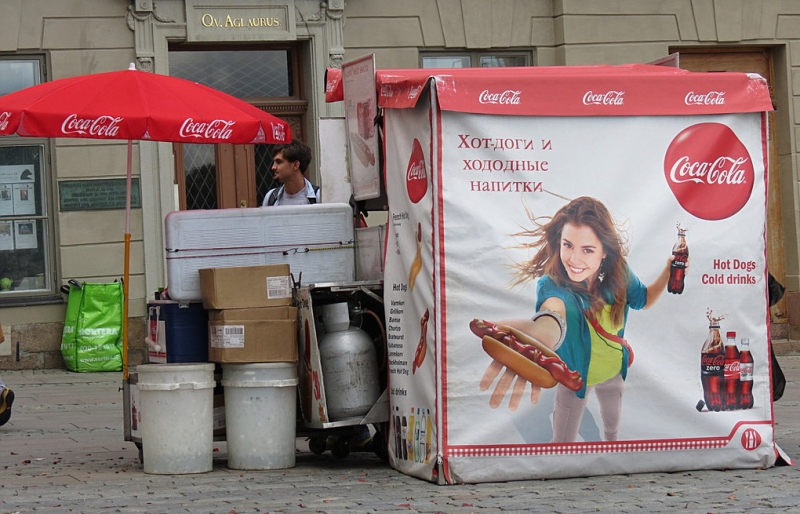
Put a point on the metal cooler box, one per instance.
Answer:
(315, 240)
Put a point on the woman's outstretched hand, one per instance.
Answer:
(505, 382)
(533, 338)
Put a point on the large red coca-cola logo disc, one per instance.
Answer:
(709, 171)
(416, 174)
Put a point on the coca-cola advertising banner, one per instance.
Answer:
(571, 295)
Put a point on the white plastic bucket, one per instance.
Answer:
(260, 414)
(177, 404)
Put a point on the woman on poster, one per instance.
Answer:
(583, 295)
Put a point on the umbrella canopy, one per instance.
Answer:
(136, 105)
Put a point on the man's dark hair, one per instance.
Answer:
(295, 151)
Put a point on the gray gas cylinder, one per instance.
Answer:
(350, 373)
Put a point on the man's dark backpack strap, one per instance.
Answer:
(314, 199)
(273, 197)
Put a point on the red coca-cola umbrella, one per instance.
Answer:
(136, 105)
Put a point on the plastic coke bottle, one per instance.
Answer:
(745, 375)
(398, 447)
(732, 373)
(712, 365)
(677, 270)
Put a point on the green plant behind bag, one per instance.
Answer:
(92, 338)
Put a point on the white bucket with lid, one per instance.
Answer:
(260, 414)
(177, 406)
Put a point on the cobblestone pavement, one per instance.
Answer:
(64, 450)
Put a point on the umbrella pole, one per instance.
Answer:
(125, 307)
(127, 269)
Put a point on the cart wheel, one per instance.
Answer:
(317, 445)
(341, 448)
(379, 446)
(141, 452)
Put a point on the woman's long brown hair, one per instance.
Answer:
(589, 212)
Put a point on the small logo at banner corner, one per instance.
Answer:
(416, 174)
(751, 439)
(387, 91)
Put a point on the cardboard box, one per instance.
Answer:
(253, 335)
(244, 287)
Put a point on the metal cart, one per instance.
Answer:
(365, 300)
(313, 419)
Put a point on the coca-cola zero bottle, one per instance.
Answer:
(745, 375)
(677, 270)
(731, 373)
(712, 365)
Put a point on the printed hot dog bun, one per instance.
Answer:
(518, 363)
(362, 150)
(533, 355)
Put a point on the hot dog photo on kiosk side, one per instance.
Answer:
(574, 342)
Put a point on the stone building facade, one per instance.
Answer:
(74, 37)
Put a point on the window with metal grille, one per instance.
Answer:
(253, 74)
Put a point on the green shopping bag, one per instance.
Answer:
(92, 337)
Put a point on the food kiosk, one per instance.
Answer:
(478, 163)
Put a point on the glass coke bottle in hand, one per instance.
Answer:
(677, 271)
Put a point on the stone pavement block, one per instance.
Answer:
(97, 438)
(35, 444)
(15, 481)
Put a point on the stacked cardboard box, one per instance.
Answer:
(250, 314)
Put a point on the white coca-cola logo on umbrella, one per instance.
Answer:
(709, 171)
(216, 129)
(278, 131)
(100, 126)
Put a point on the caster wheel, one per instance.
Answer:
(141, 452)
(379, 446)
(341, 448)
(317, 445)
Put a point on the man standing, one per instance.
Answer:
(289, 164)
(6, 394)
